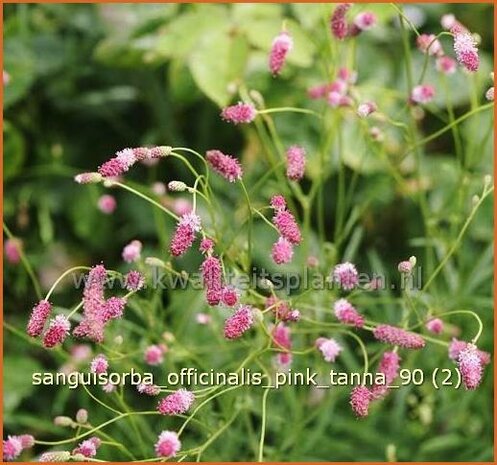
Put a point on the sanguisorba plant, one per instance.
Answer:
(259, 317)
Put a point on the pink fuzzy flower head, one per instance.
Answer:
(12, 448)
(203, 318)
(206, 245)
(423, 94)
(131, 252)
(39, 317)
(365, 109)
(338, 23)
(177, 403)
(282, 44)
(107, 204)
(329, 348)
(229, 296)
(489, 94)
(211, 272)
(346, 276)
(389, 366)
(365, 20)
(295, 157)
(12, 249)
(466, 50)
(435, 325)
(154, 355)
(168, 445)
(241, 321)
(184, 235)
(148, 389)
(282, 251)
(99, 364)
(287, 226)
(278, 202)
(58, 330)
(456, 347)
(360, 397)
(405, 267)
(239, 113)
(446, 65)
(113, 168)
(399, 337)
(88, 448)
(428, 43)
(470, 366)
(225, 165)
(88, 178)
(347, 314)
(113, 309)
(134, 280)
(347, 75)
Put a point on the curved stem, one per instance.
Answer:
(62, 276)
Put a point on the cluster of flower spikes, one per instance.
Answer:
(337, 92)
(58, 327)
(284, 221)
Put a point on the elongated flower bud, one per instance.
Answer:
(399, 337)
(241, 321)
(282, 45)
(225, 165)
(39, 317)
(177, 403)
(360, 398)
(239, 113)
(287, 226)
(295, 157)
(471, 367)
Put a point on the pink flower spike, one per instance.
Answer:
(57, 332)
(389, 366)
(365, 109)
(239, 113)
(184, 235)
(399, 337)
(12, 249)
(131, 252)
(99, 364)
(295, 157)
(471, 367)
(238, 323)
(134, 280)
(113, 168)
(154, 355)
(39, 317)
(423, 94)
(12, 448)
(346, 75)
(456, 347)
(360, 397)
(347, 314)
(287, 226)
(466, 50)
(206, 245)
(329, 348)
(177, 403)
(428, 43)
(168, 445)
(435, 325)
(338, 24)
(278, 202)
(229, 296)
(346, 276)
(225, 165)
(113, 309)
(365, 20)
(282, 251)
(107, 204)
(211, 271)
(446, 65)
(282, 44)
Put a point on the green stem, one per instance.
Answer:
(260, 457)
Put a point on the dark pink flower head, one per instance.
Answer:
(134, 280)
(132, 251)
(177, 403)
(360, 398)
(338, 23)
(470, 366)
(423, 94)
(346, 276)
(466, 50)
(12, 249)
(99, 364)
(428, 43)
(39, 317)
(456, 347)
(12, 448)
(365, 20)
(154, 355)
(58, 330)
(282, 44)
(225, 165)
(183, 238)
(282, 251)
(446, 65)
(107, 204)
(435, 325)
(212, 274)
(239, 113)
(206, 245)
(113, 168)
(389, 366)
(229, 296)
(241, 321)
(329, 348)
(287, 226)
(278, 202)
(399, 337)
(282, 340)
(168, 445)
(346, 313)
(113, 308)
(295, 167)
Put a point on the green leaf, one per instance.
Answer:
(17, 380)
(13, 150)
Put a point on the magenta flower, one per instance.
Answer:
(229, 296)
(329, 348)
(435, 325)
(365, 20)
(287, 226)
(183, 238)
(423, 94)
(346, 276)
(154, 355)
(427, 43)
(177, 403)
(113, 168)
(282, 251)
(225, 165)
(470, 366)
(57, 332)
(239, 113)
(282, 44)
(466, 50)
(88, 448)
(99, 364)
(347, 314)
(360, 398)
(389, 366)
(113, 308)
(338, 23)
(399, 337)
(39, 317)
(12, 448)
(168, 445)
(365, 109)
(295, 157)
(456, 347)
(12, 249)
(132, 251)
(134, 280)
(206, 245)
(107, 204)
(446, 65)
(211, 271)
(238, 323)
(278, 202)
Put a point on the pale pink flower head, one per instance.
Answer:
(278, 202)
(39, 317)
(107, 204)
(466, 50)
(470, 366)
(12, 249)
(287, 226)
(203, 318)
(282, 340)
(456, 347)
(282, 45)
(346, 75)
(148, 389)
(168, 445)
(88, 178)
(365, 20)
(112, 309)
(365, 109)
(154, 355)
(206, 245)
(88, 448)
(282, 251)
(239, 113)
(184, 235)
(182, 206)
(338, 23)
(229, 296)
(389, 366)
(334, 99)
(347, 313)
(131, 252)
(109, 388)
(329, 348)
(134, 280)
(57, 332)
(360, 398)
(55, 456)
(423, 94)
(12, 448)
(238, 323)
(211, 271)
(428, 43)
(177, 403)
(295, 157)
(346, 276)
(405, 267)
(225, 165)
(489, 94)
(435, 325)
(446, 65)
(399, 337)
(99, 364)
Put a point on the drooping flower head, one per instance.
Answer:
(154, 355)
(347, 313)
(466, 50)
(423, 94)
(168, 445)
(132, 251)
(12, 249)
(287, 226)
(225, 165)
(435, 325)
(57, 332)
(456, 347)
(338, 23)
(239, 113)
(39, 317)
(212, 277)
(399, 337)
(148, 389)
(282, 251)
(329, 348)
(241, 321)
(346, 276)
(177, 403)
(282, 340)
(183, 238)
(88, 448)
(360, 398)
(282, 45)
(470, 366)
(295, 157)
(389, 366)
